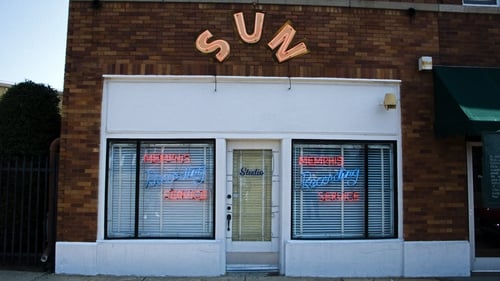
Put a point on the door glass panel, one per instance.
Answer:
(252, 186)
(486, 220)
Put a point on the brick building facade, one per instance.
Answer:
(373, 40)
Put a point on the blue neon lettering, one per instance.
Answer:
(155, 178)
(350, 178)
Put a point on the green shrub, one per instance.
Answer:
(29, 118)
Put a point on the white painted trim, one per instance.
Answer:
(470, 191)
(286, 199)
(245, 79)
(274, 146)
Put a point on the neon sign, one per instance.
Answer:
(321, 161)
(239, 21)
(157, 158)
(310, 180)
(185, 194)
(154, 178)
(338, 196)
(282, 39)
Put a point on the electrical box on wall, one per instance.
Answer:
(424, 63)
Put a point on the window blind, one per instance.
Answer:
(121, 190)
(380, 191)
(172, 196)
(342, 190)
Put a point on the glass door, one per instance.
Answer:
(485, 222)
(252, 209)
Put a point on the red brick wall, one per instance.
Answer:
(158, 38)
(469, 39)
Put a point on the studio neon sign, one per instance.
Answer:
(282, 39)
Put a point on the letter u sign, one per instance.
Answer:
(282, 39)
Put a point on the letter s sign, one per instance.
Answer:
(203, 46)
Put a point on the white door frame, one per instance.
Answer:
(255, 247)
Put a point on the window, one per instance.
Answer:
(343, 190)
(480, 2)
(160, 189)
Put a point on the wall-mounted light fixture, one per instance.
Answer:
(390, 101)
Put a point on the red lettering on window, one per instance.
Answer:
(355, 196)
(347, 196)
(321, 161)
(157, 158)
(185, 194)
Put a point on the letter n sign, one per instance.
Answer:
(282, 39)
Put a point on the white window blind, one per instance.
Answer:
(342, 190)
(121, 190)
(381, 219)
(173, 196)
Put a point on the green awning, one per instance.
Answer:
(467, 100)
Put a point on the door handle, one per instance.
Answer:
(228, 218)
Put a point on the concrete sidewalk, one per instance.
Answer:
(7, 275)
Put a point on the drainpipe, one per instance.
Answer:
(52, 204)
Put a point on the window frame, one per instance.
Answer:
(137, 142)
(481, 3)
(365, 143)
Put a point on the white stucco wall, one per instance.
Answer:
(370, 258)
(381, 258)
(303, 258)
(142, 258)
(437, 258)
(248, 105)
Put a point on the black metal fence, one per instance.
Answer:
(24, 208)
